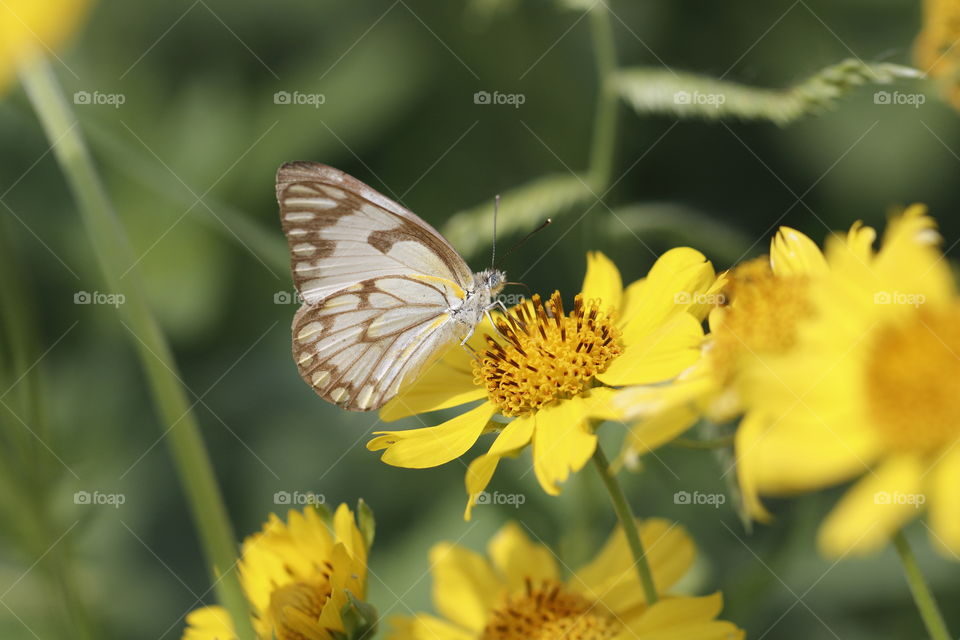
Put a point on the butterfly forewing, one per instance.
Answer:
(377, 284)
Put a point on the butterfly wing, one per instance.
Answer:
(358, 346)
(340, 231)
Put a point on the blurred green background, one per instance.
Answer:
(189, 159)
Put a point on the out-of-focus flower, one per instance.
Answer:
(299, 577)
(935, 51)
(872, 390)
(554, 372)
(518, 593)
(32, 27)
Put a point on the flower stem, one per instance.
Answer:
(605, 118)
(628, 522)
(922, 596)
(115, 256)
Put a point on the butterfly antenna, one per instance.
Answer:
(546, 223)
(496, 209)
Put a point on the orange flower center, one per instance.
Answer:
(761, 316)
(542, 354)
(550, 612)
(295, 609)
(913, 380)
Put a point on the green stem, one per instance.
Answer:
(693, 443)
(628, 522)
(605, 118)
(922, 595)
(115, 256)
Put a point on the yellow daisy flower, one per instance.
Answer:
(552, 371)
(298, 576)
(871, 390)
(935, 50)
(28, 27)
(518, 594)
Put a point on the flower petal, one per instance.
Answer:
(209, 623)
(656, 355)
(562, 442)
(749, 433)
(465, 587)
(679, 279)
(478, 477)
(518, 559)
(515, 435)
(794, 254)
(684, 619)
(433, 446)
(876, 507)
(602, 281)
(945, 502)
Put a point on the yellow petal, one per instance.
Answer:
(209, 623)
(515, 435)
(945, 502)
(478, 477)
(426, 627)
(432, 446)
(657, 355)
(874, 508)
(632, 301)
(749, 433)
(346, 529)
(794, 254)
(860, 240)
(602, 281)
(518, 559)
(465, 587)
(446, 383)
(684, 619)
(562, 442)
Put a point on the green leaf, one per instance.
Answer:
(368, 525)
(687, 95)
(359, 618)
(521, 209)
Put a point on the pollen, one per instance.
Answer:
(543, 354)
(549, 611)
(761, 315)
(295, 609)
(913, 380)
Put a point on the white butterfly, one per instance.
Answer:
(384, 294)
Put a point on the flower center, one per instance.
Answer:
(295, 609)
(544, 354)
(761, 316)
(913, 380)
(549, 612)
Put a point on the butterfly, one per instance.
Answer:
(384, 294)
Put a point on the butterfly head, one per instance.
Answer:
(491, 280)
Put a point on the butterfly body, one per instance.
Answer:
(384, 294)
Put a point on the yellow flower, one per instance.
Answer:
(553, 371)
(871, 390)
(518, 593)
(935, 50)
(28, 27)
(297, 576)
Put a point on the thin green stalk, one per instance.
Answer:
(922, 596)
(628, 522)
(605, 118)
(115, 256)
